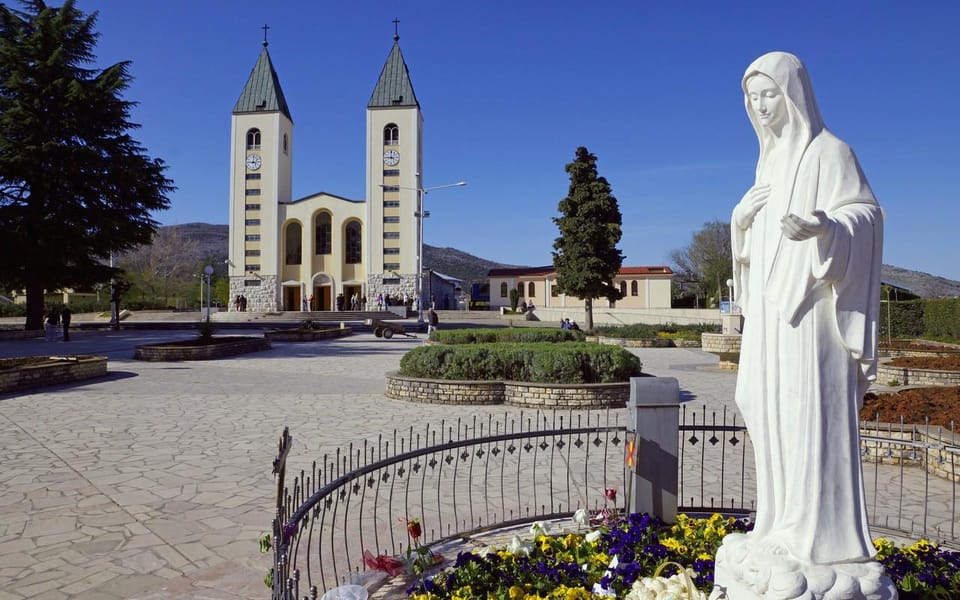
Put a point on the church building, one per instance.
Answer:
(293, 253)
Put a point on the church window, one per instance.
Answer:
(253, 139)
(252, 207)
(293, 246)
(391, 135)
(391, 188)
(251, 253)
(391, 235)
(252, 222)
(249, 268)
(324, 244)
(352, 243)
(253, 192)
(531, 290)
(633, 288)
(520, 289)
(623, 288)
(391, 250)
(391, 219)
(285, 145)
(252, 237)
(391, 266)
(503, 289)
(253, 176)
(391, 204)
(391, 172)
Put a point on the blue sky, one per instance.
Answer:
(510, 89)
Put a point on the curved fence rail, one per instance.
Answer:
(349, 512)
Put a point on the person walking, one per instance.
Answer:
(432, 321)
(50, 326)
(65, 315)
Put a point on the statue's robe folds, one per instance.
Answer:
(808, 353)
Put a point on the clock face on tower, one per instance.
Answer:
(253, 162)
(391, 158)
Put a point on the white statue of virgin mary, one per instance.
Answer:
(807, 241)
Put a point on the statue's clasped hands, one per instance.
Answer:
(799, 229)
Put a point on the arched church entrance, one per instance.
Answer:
(291, 295)
(322, 292)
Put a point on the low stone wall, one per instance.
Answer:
(166, 352)
(908, 376)
(901, 353)
(55, 370)
(726, 346)
(20, 334)
(645, 343)
(512, 393)
(308, 335)
(934, 447)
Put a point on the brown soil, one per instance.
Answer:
(914, 345)
(937, 363)
(940, 404)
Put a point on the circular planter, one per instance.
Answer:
(196, 350)
(41, 371)
(726, 346)
(511, 393)
(908, 376)
(306, 335)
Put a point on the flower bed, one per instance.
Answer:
(39, 371)
(659, 342)
(494, 335)
(631, 557)
(201, 348)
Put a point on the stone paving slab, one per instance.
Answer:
(154, 482)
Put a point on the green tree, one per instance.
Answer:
(585, 255)
(74, 185)
(706, 263)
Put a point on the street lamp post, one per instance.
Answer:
(208, 271)
(420, 214)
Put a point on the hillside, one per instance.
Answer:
(213, 240)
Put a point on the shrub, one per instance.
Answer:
(514, 299)
(489, 336)
(641, 331)
(537, 363)
(941, 318)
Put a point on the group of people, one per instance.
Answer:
(566, 323)
(385, 300)
(56, 319)
(240, 303)
(356, 302)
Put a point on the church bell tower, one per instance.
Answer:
(394, 173)
(261, 158)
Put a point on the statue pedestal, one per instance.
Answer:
(743, 572)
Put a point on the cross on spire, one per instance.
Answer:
(265, 28)
(396, 32)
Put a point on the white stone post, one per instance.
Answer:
(653, 428)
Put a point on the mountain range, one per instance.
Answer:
(213, 245)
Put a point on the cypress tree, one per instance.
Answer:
(585, 255)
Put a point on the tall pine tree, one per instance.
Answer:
(586, 256)
(74, 185)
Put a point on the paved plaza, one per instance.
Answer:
(154, 483)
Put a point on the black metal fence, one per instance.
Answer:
(350, 511)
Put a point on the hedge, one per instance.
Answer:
(537, 363)
(489, 336)
(934, 319)
(644, 331)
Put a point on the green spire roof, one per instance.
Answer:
(394, 87)
(262, 92)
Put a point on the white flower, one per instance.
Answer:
(518, 546)
(539, 528)
(677, 587)
(593, 536)
(581, 517)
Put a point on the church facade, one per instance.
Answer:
(301, 253)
